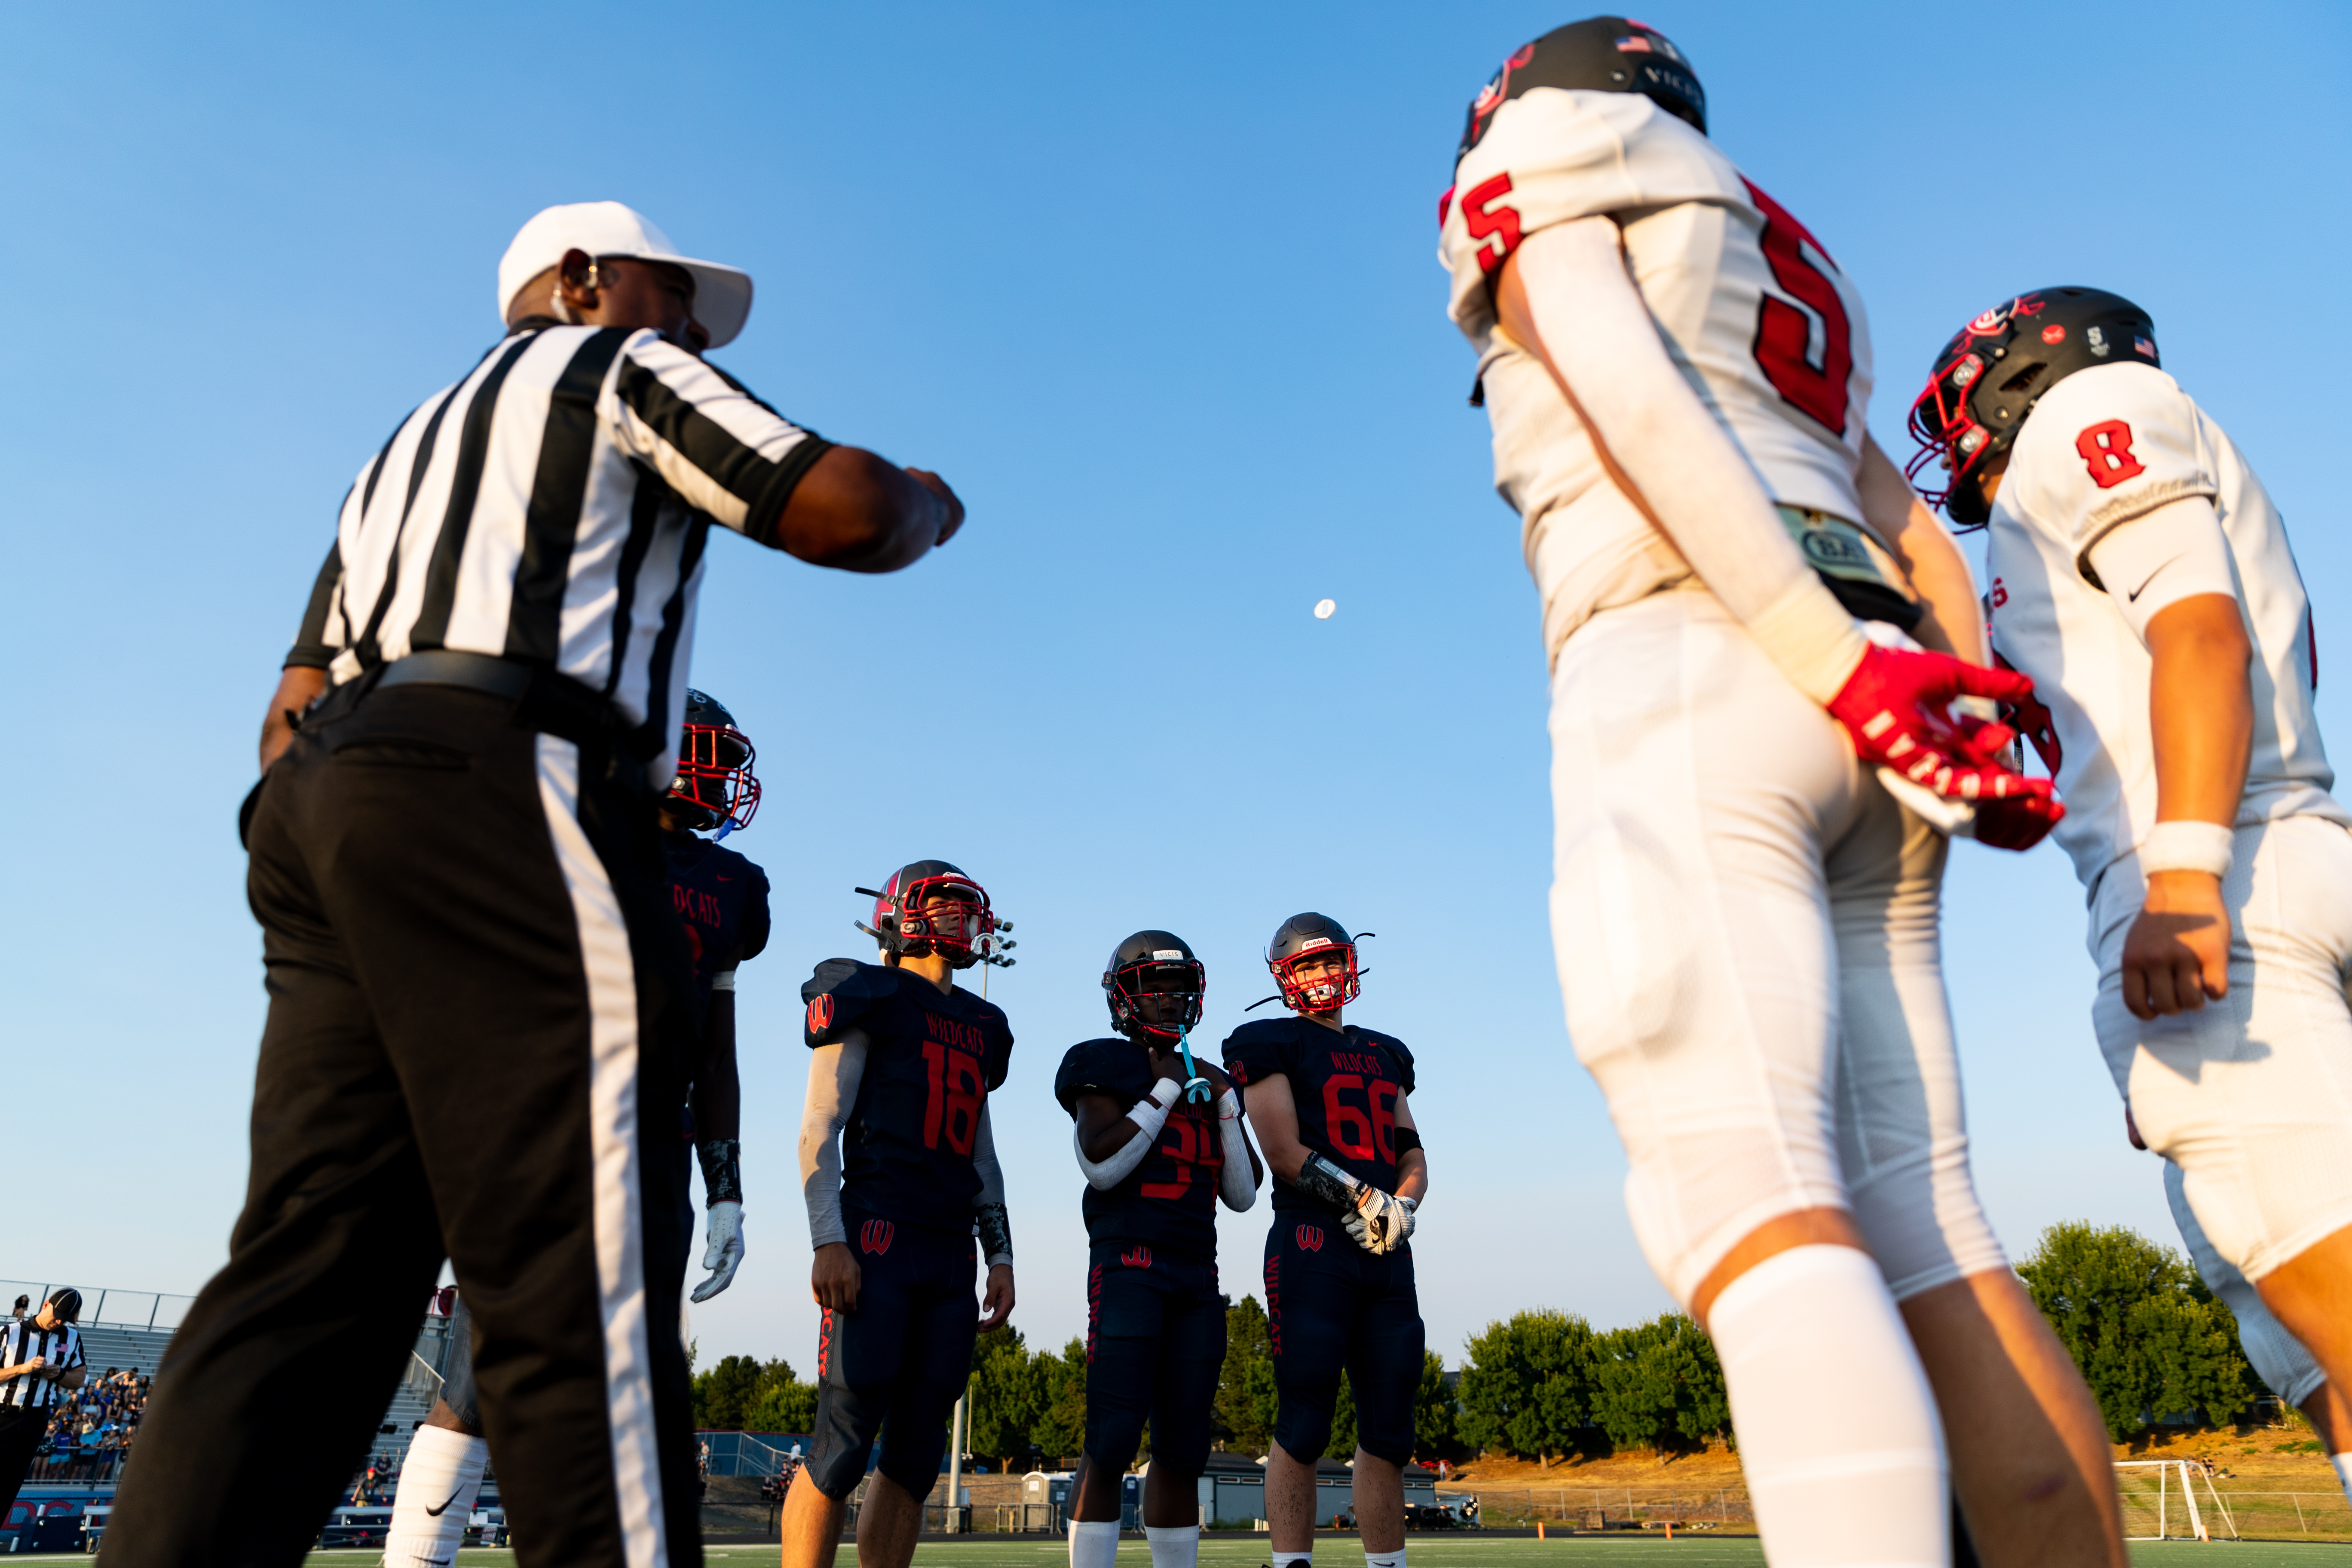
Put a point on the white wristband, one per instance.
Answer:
(1229, 1106)
(2187, 847)
(1812, 640)
(723, 980)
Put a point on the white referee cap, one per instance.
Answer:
(722, 295)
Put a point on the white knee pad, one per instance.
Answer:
(2278, 1357)
(1838, 1431)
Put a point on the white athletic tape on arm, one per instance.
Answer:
(1236, 1186)
(1600, 335)
(2205, 847)
(1149, 1115)
(834, 1072)
(723, 980)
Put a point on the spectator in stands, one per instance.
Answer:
(22, 1302)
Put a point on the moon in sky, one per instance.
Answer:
(1324, 608)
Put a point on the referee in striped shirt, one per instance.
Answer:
(479, 997)
(40, 1363)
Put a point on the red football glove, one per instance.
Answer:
(1894, 711)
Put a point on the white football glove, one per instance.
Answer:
(725, 1253)
(1380, 1222)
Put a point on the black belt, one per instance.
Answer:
(551, 702)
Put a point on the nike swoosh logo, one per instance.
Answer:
(437, 1512)
(2133, 597)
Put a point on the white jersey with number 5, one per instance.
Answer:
(1759, 319)
(2101, 449)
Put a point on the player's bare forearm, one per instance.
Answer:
(298, 686)
(2201, 713)
(1274, 1114)
(2200, 709)
(1951, 620)
(1413, 1176)
(1103, 1128)
(855, 512)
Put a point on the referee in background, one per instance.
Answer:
(481, 1000)
(40, 1363)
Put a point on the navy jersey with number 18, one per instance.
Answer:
(931, 1058)
(1346, 1083)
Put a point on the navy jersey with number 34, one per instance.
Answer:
(1168, 1201)
(1346, 1083)
(931, 1058)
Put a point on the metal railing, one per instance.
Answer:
(115, 1308)
(1611, 1508)
(751, 1453)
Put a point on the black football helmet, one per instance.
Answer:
(715, 784)
(930, 906)
(1599, 54)
(1154, 983)
(1307, 935)
(1995, 369)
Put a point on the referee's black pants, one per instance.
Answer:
(477, 1028)
(20, 1438)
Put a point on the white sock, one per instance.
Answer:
(1094, 1543)
(1295, 1559)
(1385, 1559)
(1173, 1545)
(1838, 1431)
(444, 1471)
(2343, 1463)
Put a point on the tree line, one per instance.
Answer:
(2152, 1342)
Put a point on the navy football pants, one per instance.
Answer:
(898, 1364)
(1155, 1348)
(1331, 1307)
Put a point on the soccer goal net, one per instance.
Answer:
(2171, 1500)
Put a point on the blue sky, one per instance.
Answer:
(1155, 289)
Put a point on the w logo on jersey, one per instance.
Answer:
(1311, 1238)
(874, 1236)
(1138, 1258)
(820, 1015)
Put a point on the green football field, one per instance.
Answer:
(1647, 1552)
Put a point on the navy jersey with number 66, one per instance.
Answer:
(1170, 1201)
(931, 1058)
(1346, 1083)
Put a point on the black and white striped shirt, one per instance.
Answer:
(552, 507)
(20, 1342)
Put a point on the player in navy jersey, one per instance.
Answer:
(1328, 1102)
(904, 1063)
(722, 903)
(1159, 1147)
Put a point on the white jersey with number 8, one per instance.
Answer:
(1769, 332)
(2102, 448)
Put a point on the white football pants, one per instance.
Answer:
(2250, 1096)
(1745, 924)
(2278, 1357)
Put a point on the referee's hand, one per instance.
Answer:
(835, 1277)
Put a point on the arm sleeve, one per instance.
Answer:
(726, 453)
(989, 1216)
(1237, 1183)
(323, 632)
(2161, 557)
(1691, 479)
(1150, 1115)
(834, 1071)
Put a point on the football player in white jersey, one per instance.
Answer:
(1746, 872)
(2142, 577)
